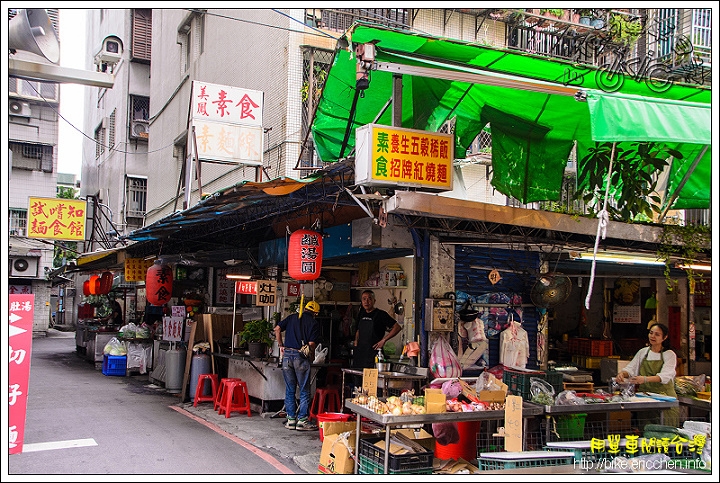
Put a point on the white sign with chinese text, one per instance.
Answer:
(228, 123)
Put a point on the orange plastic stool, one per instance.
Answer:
(221, 391)
(235, 398)
(326, 400)
(213, 378)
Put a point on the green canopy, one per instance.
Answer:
(537, 108)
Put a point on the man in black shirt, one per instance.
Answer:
(374, 328)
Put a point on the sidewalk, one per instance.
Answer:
(266, 433)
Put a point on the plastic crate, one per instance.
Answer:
(555, 379)
(524, 459)
(367, 466)
(114, 365)
(409, 463)
(602, 348)
(571, 426)
(518, 382)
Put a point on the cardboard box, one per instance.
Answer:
(422, 437)
(335, 457)
(434, 401)
(492, 396)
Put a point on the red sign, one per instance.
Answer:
(293, 289)
(22, 308)
(247, 288)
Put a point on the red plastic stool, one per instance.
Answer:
(326, 400)
(202, 378)
(235, 398)
(221, 392)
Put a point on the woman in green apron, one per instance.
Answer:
(653, 369)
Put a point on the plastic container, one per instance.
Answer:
(571, 426)
(200, 364)
(327, 417)
(410, 463)
(465, 447)
(174, 370)
(114, 365)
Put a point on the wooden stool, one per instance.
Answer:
(202, 378)
(235, 397)
(326, 400)
(221, 393)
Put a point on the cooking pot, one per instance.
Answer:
(383, 366)
(467, 313)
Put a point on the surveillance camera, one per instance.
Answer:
(110, 52)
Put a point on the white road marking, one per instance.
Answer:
(70, 443)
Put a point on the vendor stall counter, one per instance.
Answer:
(389, 421)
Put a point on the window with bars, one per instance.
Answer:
(136, 197)
(99, 141)
(32, 157)
(316, 65)
(111, 130)
(140, 108)
(340, 19)
(140, 48)
(33, 89)
(18, 222)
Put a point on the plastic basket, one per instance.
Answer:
(397, 463)
(367, 466)
(555, 379)
(114, 365)
(518, 383)
(571, 426)
(602, 348)
(532, 459)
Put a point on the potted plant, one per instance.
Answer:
(624, 31)
(256, 333)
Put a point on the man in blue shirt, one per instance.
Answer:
(299, 330)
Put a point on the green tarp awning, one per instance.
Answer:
(528, 100)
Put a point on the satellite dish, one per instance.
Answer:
(31, 30)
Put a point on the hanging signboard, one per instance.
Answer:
(136, 269)
(228, 123)
(246, 287)
(56, 219)
(266, 293)
(393, 156)
(21, 311)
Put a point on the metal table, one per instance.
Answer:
(388, 421)
(696, 404)
(649, 404)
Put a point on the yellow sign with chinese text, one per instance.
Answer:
(136, 269)
(393, 156)
(56, 219)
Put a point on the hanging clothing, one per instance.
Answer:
(514, 346)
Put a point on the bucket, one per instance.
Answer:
(465, 447)
(200, 364)
(571, 426)
(327, 417)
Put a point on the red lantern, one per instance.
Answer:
(158, 284)
(86, 287)
(94, 285)
(106, 281)
(305, 255)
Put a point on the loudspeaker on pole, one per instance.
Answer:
(31, 30)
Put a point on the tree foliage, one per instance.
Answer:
(633, 182)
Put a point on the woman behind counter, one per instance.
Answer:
(653, 369)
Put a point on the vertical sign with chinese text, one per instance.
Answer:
(21, 310)
(392, 156)
(513, 423)
(56, 218)
(266, 293)
(228, 123)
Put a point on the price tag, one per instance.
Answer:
(369, 383)
(513, 423)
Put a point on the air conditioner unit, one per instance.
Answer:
(139, 129)
(23, 267)
(19, 108)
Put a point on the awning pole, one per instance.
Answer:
(232, 339)
(676, 193)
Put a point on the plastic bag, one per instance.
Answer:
(569, 398)
(446, 433)
(320, 354)
(115, 348)
(541, 391)
(443, 361)
(451, 388)
(487, 382)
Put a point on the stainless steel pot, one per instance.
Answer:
(383, 366)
